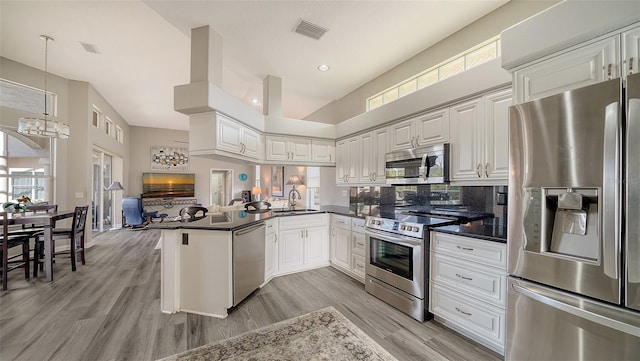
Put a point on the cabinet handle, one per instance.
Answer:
(275, 240)
(306, 233)
(329, 157)
(417, 141)
(478, 170)
(609, 77)
(462, 312)
(631, 65)
(464, 278)
(375, 176)
(360, 244)
(464, 248)
(302, 233)
(486, 170)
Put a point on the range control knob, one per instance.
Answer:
(416, 229)
(403, 227)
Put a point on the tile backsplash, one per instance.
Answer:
(485, 199)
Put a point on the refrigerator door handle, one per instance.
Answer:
(632, 233)
(611, 191)
(586, 313)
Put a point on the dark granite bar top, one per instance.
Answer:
(230, 221)
(490, 231)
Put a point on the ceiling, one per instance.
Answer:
(144, 47)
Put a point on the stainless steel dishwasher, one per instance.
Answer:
(248, 260)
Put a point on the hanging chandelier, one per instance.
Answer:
(43, 126)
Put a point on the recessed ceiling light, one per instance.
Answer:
(254, 100)
(323, 67)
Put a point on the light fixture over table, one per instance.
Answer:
(43, 127)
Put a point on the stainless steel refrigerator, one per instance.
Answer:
(574, 225)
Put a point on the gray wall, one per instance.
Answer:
(143, 138)
(483, 29)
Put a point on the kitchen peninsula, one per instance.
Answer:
(197, 259)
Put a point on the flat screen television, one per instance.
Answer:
(168, 185)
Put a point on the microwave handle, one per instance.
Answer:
(424, 168)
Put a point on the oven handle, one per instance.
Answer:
(395, 238)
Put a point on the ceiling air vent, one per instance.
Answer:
(90, 48)
(311, 30)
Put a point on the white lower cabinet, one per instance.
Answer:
(303, 243)
(271, 249)
(347, 245)
(468, 287)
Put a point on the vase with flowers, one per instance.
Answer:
(20, 205)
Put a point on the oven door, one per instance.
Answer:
(396, 260)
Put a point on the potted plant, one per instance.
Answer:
(20, 205)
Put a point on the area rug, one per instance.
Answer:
(320, 335)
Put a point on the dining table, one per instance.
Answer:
(48, 221)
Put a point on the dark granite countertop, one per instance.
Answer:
(230, 221)
(492, 230)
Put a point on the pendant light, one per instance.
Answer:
(43, 126)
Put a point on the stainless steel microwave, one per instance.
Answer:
(427, 165)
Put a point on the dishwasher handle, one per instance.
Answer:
(249, 229)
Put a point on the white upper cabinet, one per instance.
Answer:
(466, 140)
(365, 168)
(432, 128)
(323, 151)
(496, 134)
(583, 66)
(288, 149)
(380, 149)
(480, 139)
(348, 160)
(237, 138)
(631, 51)
(426, 129)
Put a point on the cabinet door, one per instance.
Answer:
(496, 135)
(252, 146)
(365, 170)
(270, 255)
(466, 140)
(353, 154)
(589, 64)
(229, 135)
(277, 148)
(323, 151)
(631, 51)
(432, 128)
(402, 135)
(316, 246)
(380, 148)
(341, 248)
(291, 250)
(342, 161)
(300, 149)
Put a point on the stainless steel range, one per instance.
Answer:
(397, 260)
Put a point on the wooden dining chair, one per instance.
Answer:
(9, 241)
(75, 235)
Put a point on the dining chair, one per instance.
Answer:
(75, 235)
(9, 241)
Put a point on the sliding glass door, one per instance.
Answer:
(102, 214)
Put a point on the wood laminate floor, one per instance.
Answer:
(110, 310)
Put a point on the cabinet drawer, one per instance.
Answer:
(480, 321)
(485, 283)
(343, 222)
(357, 243)
(357, 225)
(272, 226)
(304, 221)
(471, 249)
(357, 266)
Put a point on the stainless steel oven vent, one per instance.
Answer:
(309, 29)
